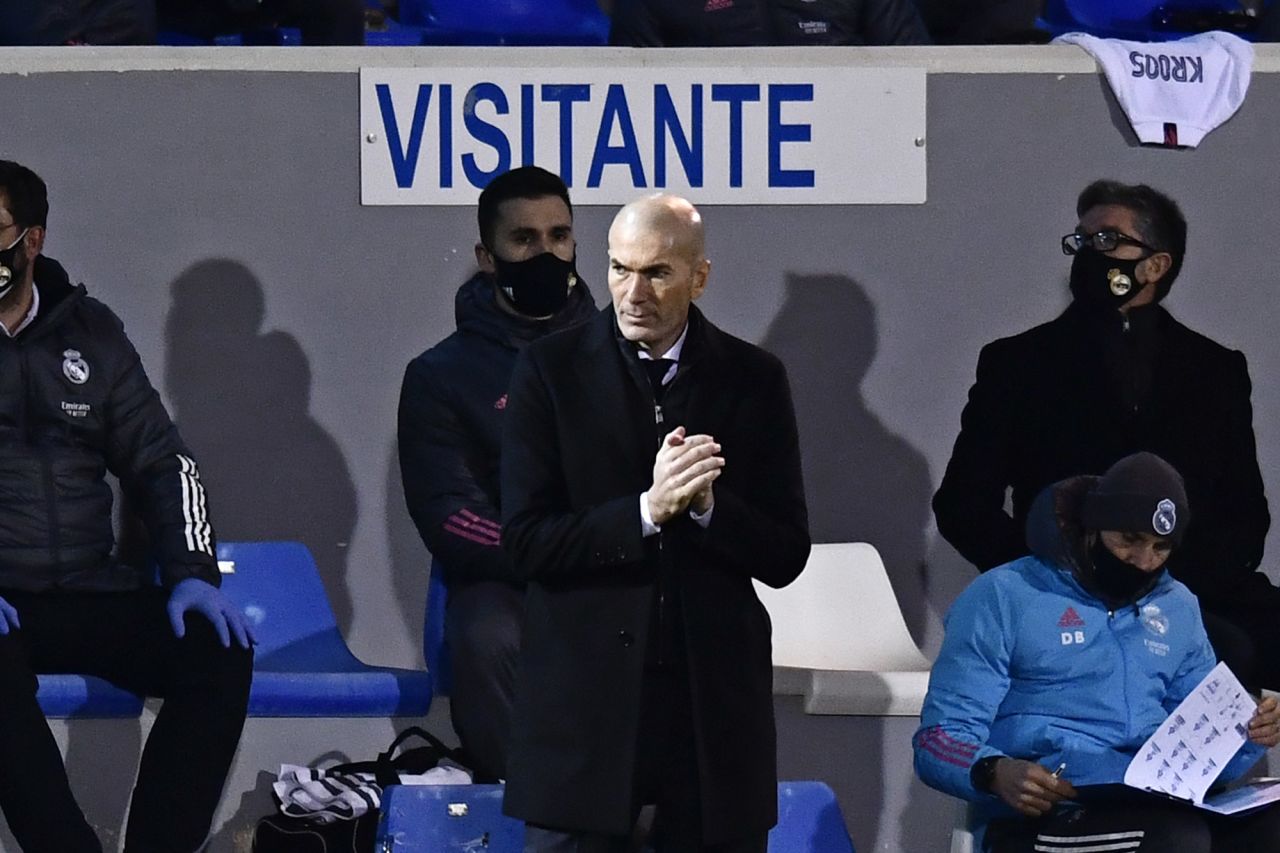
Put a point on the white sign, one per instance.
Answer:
(715, 135)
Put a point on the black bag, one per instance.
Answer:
(280, 833)
(283, 834)
(388, 766)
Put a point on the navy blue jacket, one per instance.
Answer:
(450, 428)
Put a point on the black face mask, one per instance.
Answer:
(538, 286)
(10, 272)
(1101, 282)
(1117, 580)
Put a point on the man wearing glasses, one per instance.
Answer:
(1113, 375)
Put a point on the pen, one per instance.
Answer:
(1057, 774)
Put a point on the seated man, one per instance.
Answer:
(1009, 702)
(452, 406)
(1114, 374)
(75, 403)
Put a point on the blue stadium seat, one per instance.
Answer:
(272, 37)
(809, 820)
(429, 818)
(1125, 19)
(302, 666)
(393, 34)
(434, 646)
(174, 38)
(507, 22)
(77, 696)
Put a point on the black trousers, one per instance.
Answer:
(483, 627)
(666, 777)
(125, 638)
(1138, 825)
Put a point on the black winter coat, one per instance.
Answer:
(578, 451)
(1044, 408)
(76, 403)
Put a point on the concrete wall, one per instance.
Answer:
(212, 198)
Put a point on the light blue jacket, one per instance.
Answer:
(1035, 666)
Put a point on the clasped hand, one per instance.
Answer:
(683, 471)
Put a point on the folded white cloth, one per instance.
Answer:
(317, 794)
(1174, 92)
(441, 774)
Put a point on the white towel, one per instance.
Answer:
(1174, 92)
(314, 793)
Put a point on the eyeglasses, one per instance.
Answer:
(1102, 241)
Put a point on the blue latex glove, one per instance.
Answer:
(205, 598)
(8, 617)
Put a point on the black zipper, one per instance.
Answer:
(44, 326)
(46, 459)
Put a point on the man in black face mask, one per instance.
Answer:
(76, 403)
(1057, 667)
(1113, 375)
(450, 430)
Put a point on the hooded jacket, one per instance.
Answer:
(450, 427)
(1036, 665)
(75, 404)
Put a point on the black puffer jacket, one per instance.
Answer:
(450, 428)
(76, 403)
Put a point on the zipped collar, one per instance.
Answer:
(58, 297)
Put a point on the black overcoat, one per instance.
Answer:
(1042, 409)
(578, 450)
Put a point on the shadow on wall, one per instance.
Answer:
(862, 482)
(410, 561)
(241, 397)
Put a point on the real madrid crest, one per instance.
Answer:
(1119, 283)
(1154, 620)
(75, 368)
(1165, 518)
